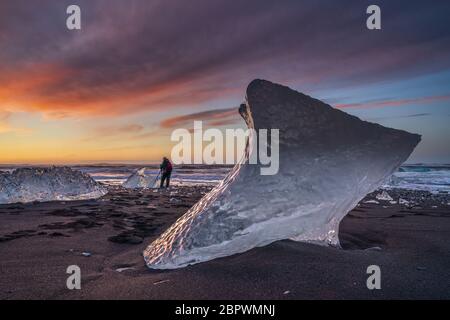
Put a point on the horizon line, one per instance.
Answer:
(156, 162)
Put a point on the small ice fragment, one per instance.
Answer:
(384, 196)
(372, 201)
(393, 202)
(374, 249)
(160, 281)
(286, 292)
(124, 269)
(403, 201)
(140, 180)
(86, 254)
(421, 268)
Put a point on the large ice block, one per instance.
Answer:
(48, 184)
(329, 160)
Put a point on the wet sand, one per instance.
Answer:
(105, 238)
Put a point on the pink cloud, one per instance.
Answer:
(393, 103)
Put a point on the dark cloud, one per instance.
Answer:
(139, 55)
(215, 118)
(393, 102)
(416, 115)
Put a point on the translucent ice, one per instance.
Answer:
(140, 180)
(329, 161)
(384, 196)
(47, 184)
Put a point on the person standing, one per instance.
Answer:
(166, 171)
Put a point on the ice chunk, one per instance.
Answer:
(329, 161)
(140, 180)
(47, 184)
(384, 196)
(124, 269)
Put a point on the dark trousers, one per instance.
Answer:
(165, 177)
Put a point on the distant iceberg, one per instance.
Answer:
(140, 180)
(47, 184)
(329, 160)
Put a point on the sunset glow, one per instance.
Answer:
(114, 91)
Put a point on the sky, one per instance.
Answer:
(138, 69)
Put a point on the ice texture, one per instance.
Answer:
(140, 180)
(47, 184)
(384, 196)
(329, 160)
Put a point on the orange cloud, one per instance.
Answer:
(5, 126)
(55, 91)
(114, 130)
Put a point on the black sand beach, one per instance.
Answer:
(106, 237)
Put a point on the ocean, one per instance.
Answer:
(186, 176)
(433, 178)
